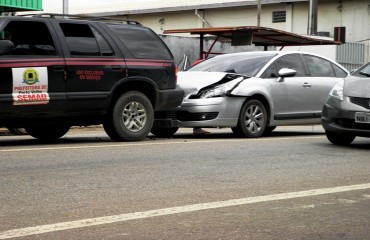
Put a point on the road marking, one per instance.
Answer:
(151, 143)
(22, 232)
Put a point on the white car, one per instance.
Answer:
(253, 92)
(346, 113)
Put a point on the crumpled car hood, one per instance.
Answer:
(357, 87)
(192, 82)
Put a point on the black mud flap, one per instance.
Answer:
(165, 123)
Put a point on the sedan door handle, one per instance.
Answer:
(307, 85)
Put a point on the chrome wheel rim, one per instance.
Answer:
(254, 119)
(134, 116)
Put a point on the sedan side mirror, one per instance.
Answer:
(286, 72)
(6, 46)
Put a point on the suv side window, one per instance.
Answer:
(141, 42)
(83, 40)
(319, 67)
(291, 61)
(29, 38)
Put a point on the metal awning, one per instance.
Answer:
(259, 36)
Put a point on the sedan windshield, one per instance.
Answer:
(363, 71)
(244, 64)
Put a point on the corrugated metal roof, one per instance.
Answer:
(259, 36)
(262, 36)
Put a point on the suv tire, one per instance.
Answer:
(131, 118)
(49, 132)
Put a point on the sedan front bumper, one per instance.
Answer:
(341, 120)
(210, 112)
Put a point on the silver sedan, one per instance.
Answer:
(253, 92)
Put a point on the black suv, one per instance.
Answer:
(59, 71)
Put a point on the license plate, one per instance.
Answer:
(362, 117)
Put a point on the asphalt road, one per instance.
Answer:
(293, 184)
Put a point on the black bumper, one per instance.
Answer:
(340, 121)
(168, 99)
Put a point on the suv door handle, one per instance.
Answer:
(307, 85)
(117, 69)
(58, 68)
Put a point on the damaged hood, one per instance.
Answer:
(192, 82)
(201, 82)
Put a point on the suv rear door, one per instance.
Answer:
(92, 66)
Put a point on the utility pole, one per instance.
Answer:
(259, 13)
(65, 6)
(312, 18)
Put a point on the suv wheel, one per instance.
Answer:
(131, 118)
(164, 132)
(340, 138)
(48, 132)
(252, 120)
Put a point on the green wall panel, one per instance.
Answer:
(20, 5)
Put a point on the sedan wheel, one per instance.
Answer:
(340, 138)
(252, 120)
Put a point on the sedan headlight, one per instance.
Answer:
(220, 90)
(337, 90)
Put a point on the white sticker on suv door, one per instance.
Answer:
(30, 86)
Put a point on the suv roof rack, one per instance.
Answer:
(82, 17)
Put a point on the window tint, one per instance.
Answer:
(29, 38)
(271, 72)
(104, 46)
(319, 67)
(142, 42)
(339, 72)
(291, 61)
(84, 40)
(246, 64)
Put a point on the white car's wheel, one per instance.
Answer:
(252, 120)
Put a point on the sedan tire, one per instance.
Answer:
(340, 138)
(164, 132)
(252, 120)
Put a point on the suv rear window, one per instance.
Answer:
(142, 42)
(85, 40)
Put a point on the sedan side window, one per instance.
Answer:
(339, 72)
(319, 67)
(291, 61)
(270, 72)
